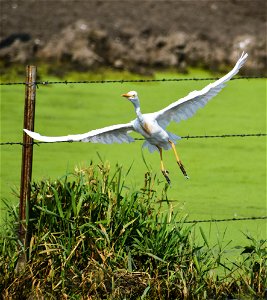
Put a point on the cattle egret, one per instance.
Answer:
(152, 126)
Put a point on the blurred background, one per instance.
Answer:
(139, 36)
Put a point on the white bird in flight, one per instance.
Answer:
(152, 126)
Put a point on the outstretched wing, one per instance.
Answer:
(107, 135)
(187, 106)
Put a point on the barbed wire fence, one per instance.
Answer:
(27, 145)
(121, 81)
(142, 139)
(226, 220)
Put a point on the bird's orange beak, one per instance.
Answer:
(125, 95)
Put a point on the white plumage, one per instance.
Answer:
(152, 126)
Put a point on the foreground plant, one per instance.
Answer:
(91, 237)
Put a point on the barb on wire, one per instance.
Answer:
(142, 139)
(217, 136)
(224, 135)
(11, 143)
(227, 220)
(47, 82)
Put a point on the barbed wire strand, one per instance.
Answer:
(47, 82)
(226, 220)
(142, 139)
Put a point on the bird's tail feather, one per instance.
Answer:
(151, 148)
(173, 137)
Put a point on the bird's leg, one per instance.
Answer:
(163, 170)
(179, 162)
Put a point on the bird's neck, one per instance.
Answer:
(139, 114)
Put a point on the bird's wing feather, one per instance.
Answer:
(107, 135)
(187, 106)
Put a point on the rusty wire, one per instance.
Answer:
(226, 220)
(142, 139)
(47, 82)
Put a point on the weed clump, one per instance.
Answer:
(91, 237)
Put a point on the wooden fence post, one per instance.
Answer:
(27, 155)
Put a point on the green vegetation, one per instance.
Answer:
(227, 176)
(93, 237)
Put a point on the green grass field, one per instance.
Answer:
(227, 176)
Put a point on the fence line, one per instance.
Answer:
(31, 84)
(142, 139)
(47, 82)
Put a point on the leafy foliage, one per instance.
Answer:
(90, 236)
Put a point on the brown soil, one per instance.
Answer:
(202, 31)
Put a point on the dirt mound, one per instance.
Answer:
(139, 36)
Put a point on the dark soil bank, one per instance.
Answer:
(135, 35)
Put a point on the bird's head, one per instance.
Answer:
(133, 97)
